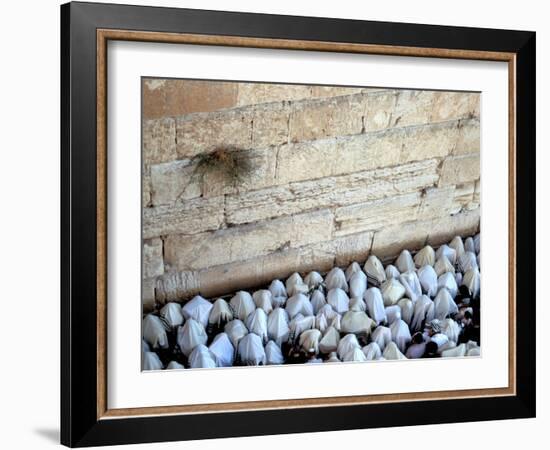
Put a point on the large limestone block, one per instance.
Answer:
(249, 206)
(460, 169)
(257, 93)
(153, 264)
(270, 126)
(172, 181)
(159, 141)
(205, 250)
(377, 214)
(388, 242)
(469, 137)
(176, 286)
(339, 116)
(187, 217)
(444, 229)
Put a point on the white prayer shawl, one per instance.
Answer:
(357, 285)
(424, 311)
(469, 245)
(443, 265)
(357, 322)
(242, 305)
(236, 330)
(428, 280)
(441, 340)
(375, 305)
(329, 341)
(448, 281)
(313, 280)
(448, 252)
(407, 309)
(336, 322)
(474, 352)
(278, 293)
(223, 350)
(451, 329)
(264, 300)
(220, 313)
(277, 326)
(324, 317)
(198, 309)
(404, 262)
(391, 352)
(444, 305)
(190, 335)
(201, 358)
(412, 286)
(273, 354)
(145, 346)
(467, 261)
(372, 351)
(301, 323)
(458, 278)
(456, 352)
(154, 332)
(392, 291)
(150, 361)
(174, 365)
(457, 245)
(393, 313)
(251, 350)
(298, 304)
(355, 355)
(425, 257)
(471, 281)
(309, 341)
(352, 269)
(347, 343)
(257, 323)
(391, 271)
(336, 279)
(333, 357)
(171, 313)
(477, 243)
(339, 300)
(293, 280)
(317, 300)
(400, 334)
(382, 336)
(357, 304)
(375, 271)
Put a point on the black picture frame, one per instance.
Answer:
(80, 425)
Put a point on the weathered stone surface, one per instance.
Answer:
(245, 242)
(454, 105)
(188, 217)
(153, 264)
(476, 198)
(203, 133)
(172, 181)
(334, 91)
(339, 116)
(463, 197)
(169, 97)
(176, 286)
(148, 294)
(388, 242)
(428, 141)
(257, 93)
(378, 113)
(443, 229)
(376, 214)
(270, 126)
(145, 187)
(460, 169)
(469, 137)
(436, 202)
(355, 247)
(159, 141)
(251, 206)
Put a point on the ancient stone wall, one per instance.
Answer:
(334, 174)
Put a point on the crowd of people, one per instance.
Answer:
(421, 306)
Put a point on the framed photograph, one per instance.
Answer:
(277, 224)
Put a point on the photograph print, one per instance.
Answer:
(306, 224)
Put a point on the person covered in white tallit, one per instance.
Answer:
(190, 335)
(298, 304)
(154, 331)
(424, 311)
(277, 326)
(444, 305)
(201, 358)
(242, 305)
(400, 334)
(223, 350)
(375, 305)
(375, 271)
(251, 351)
(197, 308)
(381, 336)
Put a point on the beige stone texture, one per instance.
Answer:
(376, 214)
(460, 169)
(186, 217)
(389, 241)
(270, 126)
(176, 286)
(159, 141)
(469, 137)
(251, 206)
(444, 228)
(245, 242)
(463, 198)
(339, 116)
(170, 97)
(172, 181)
(148, 294)
(153, 264)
